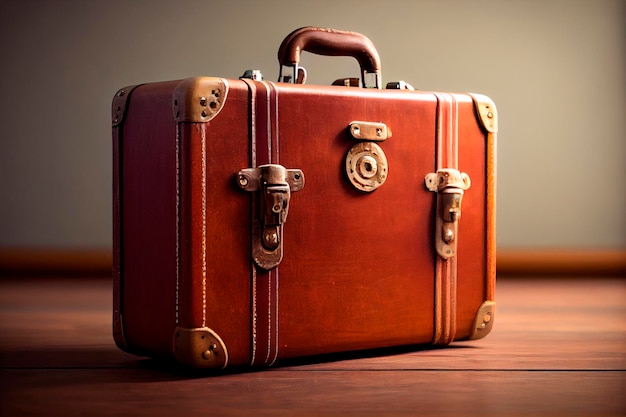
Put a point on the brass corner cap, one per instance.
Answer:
(200, 348)
(199, 99)
(487, 112)
(483, 321)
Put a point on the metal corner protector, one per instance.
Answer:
(119, 104)
(200, 348)
(487, 112)
(199, 99)
(483, 321)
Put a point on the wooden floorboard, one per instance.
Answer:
(558, 348)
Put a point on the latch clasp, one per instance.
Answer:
(449, 184)
(275, 184)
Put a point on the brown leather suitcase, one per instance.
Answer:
(258, 221)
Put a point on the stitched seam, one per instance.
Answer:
(253, 163)
(446, 158)
(177, 289)
(275, 160)
(254, 317)
(269, 316)
(276, 320)
(203, 193)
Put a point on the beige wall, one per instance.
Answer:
(556, 69)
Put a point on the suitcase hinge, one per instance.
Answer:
(449, 184)
(275, 184)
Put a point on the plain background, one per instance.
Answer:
(555, 68)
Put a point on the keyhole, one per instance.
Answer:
(367, 166)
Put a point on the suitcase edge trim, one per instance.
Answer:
(119, 105)
(488, 115)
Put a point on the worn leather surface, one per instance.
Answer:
(358, 269)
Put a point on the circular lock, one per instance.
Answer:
(366, 166)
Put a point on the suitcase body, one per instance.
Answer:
(257, 221)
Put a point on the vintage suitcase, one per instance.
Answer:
(257, 221)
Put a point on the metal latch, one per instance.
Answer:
(275, 184)
(449, 184)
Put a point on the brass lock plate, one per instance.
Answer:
(366, 166)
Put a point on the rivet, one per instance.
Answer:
(203, 101)
(487, 318)
(270, 239)
(490, 115)
(121, 93)
(207, 354)
(243, 181)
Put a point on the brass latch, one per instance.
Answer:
(275, 184)
(449, 184)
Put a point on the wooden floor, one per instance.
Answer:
(558, 349)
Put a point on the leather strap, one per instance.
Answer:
(446, 269)
(263, 123)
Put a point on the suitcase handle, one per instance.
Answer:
(329, 42)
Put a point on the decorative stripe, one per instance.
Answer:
(254, 316)
(276, 345)
(204, 234)
(177, 289)
(269, 316)
(273, 284)
(264, 293)
(253, 269)
(446, 269)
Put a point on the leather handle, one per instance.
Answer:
(329, 42)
